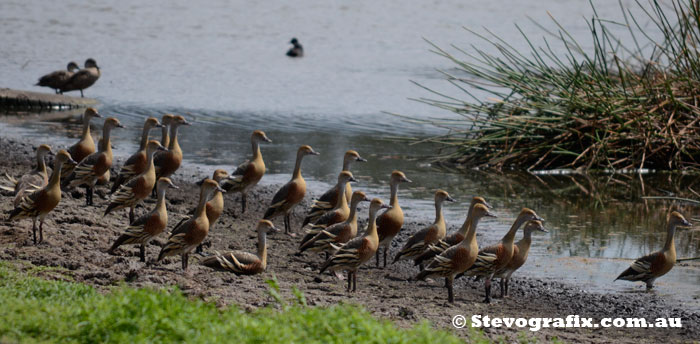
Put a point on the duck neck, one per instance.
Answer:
(527, 237)
(149, 161)
(161, 198)
(256, 149)
(372, 225)
(86, 127)
(202, 206)
(670, 245)
(262, 247)
(144, 137)
(173, 137)
(438, 212)
(394, 200)
(471, 234)
(297, 166)
(342, 202)
(352, 217)
(466, 226)
(165, 138)
(41, 163)
(56, 174)
(105, 144)
(346, 164)
(510, 236)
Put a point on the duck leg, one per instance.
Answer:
(184, 261)
(354, 281)
(142, 252)
(349, 280)
(376, 255)
(34, 229)
(450, 291)
(81, 94)
(386, 250)
(487, 287)
(507, 280)
(243, 203)
(41, 230)
(88, 196)
(503, 288)
(131, 215)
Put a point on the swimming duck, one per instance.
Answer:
(418, 242)
(137, 188)
(329, 199)
(452, 239)
(165, 121)
(35, 179)
(39, 203)
(389, 223)
(90, 169)
(185, 237)
(166, 163)
(357, 251)
(83, 79)
(244, 263)
(341, 211)
(652, 266)
(149, 225)
(57, 79)
(520, 251)
(249, 173)
(137, 162)
(297, 50)
(493, 258)
(86, 146)
(459, 257)
(291, 193)
(336, 234)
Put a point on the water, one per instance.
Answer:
(222, 65)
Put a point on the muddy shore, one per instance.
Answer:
(76, 238)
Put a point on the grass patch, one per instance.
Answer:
(623, 105)
(37, 310)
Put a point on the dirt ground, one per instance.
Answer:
(76, 238)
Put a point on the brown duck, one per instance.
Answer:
(241, 262)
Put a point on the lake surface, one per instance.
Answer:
(222, 65)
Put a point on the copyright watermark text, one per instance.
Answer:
(535, 324)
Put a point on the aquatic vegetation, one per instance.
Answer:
(631, 104)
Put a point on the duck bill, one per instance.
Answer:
(360, 159)
(450, 199)
(385, 206)
(490, 214)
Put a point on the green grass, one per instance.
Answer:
(38, 310)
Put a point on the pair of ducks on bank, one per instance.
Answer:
(70, 80)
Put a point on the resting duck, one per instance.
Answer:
(452, 239)
(165, 121)
(137, 162)
(459, 257)
(86, 145)
(83, 79)
(249, 173)
(57, 79)
(185, 237)
(357, 251)
(650, 267)
(90, 169)
(389, 223)
(418, 242)
(244, 263)
(336, 234)
(341, 211)
(166, 163)
(329, 199)
(297, 50)
(137, 188)
(31, 181)
(493, 258)
(149, 225)
(41, 202)
(520, 251)
(291, 193)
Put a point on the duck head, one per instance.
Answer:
(72, 66)
(442, 195)
(165, 182)
(259, 136)
(399, 177)
(307, 150)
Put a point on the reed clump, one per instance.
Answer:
(623, 105)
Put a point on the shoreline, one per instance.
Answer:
(76, 238)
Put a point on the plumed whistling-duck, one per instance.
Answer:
(249, 173)
(389, 223)
(149, 225)
(357, 251)
(215, 206)
(57, 79)
(166, 163)
(39, 203)
(139, 187)
(341, 210)
(165, 130)
(90, 169)
(291, 193)
(82, 79)
(329, 199)
(297, 50)
(241, 262)
(650, 267)
(185, 237)
(137, 162)
(419, 241)
(86, 146)
(520, 251)
(32, 181)
(459, 257)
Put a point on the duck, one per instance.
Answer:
(292, 193)
(454, 238)
(459, 257)
(329, 199)
(244, 263)
(249, 173)
(137, 162)
(389, 223)
(165, 129)
(86, 145)
(336, 234)
(520, 251)
(215, 206)
(189, 234)
(419, 241)
(40, 203)
(357, 251)
(167, 162)
(297, 50)
(341, 211)
(652, 266)
(149, 225)
(35, 179)
(495, 257)
(90, 169)
(82, 79)
(139, 187)
(57, 79)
